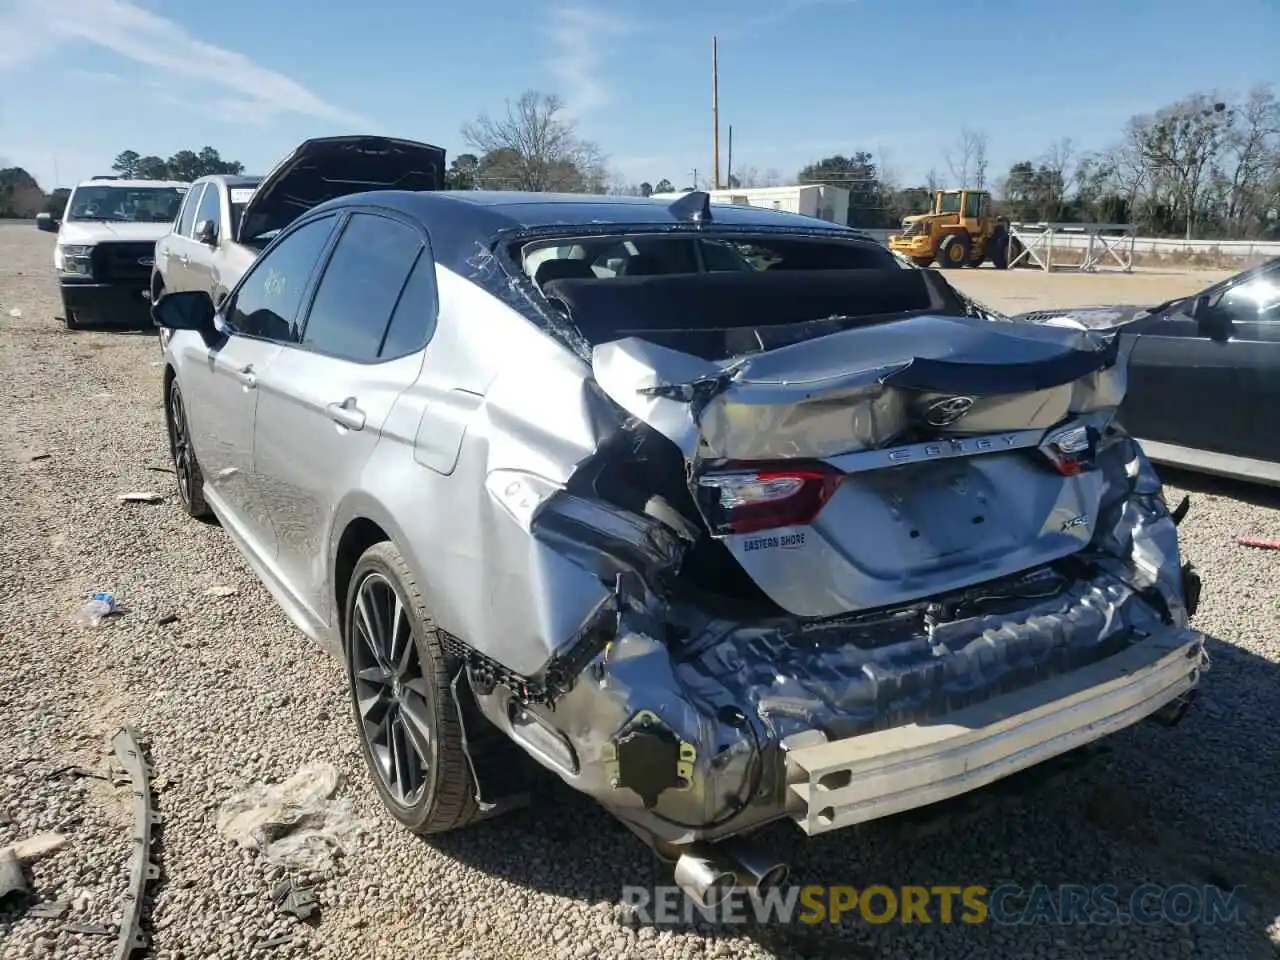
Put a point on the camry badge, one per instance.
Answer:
(947, 411)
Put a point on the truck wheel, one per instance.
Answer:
(999, 244)
(400, 676)
(956, 251)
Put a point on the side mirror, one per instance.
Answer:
(187, 310)
(1214, 322)
(207, 233)
(46, 223)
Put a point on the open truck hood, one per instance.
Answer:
(329, 167)
(938, 452)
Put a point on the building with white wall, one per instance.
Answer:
(811, 200)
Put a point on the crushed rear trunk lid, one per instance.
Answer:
(884, 463)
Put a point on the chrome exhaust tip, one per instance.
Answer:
(705, 875)
(757, 870)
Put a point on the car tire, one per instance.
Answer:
(922, 262)
(186, 468)
(955, 251)
(400, 680)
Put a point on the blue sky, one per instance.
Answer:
(82, 80)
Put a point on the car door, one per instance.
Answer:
(322, 403)
(1209, 381)
(176, 251)
(220, 382)
(200, 273)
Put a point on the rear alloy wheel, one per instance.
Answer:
(186, 467)
(400, 679)
(955, 251)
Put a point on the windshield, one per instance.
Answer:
(126, 204)
(950, 203)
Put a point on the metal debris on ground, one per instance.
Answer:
(295, 824)
(53, 910)
(142, 868)
(42, 455)
(88, 929)
(281, 941)
(1258, 542)
(141, 496)
(220, 591)
(113, 775)
(159, 468)
(167, 619)
(297, 901)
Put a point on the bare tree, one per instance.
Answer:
(1060, 163)
(1251, 159)
(772, 177)
(1180, 143)
(535, 147)
(967, 159)
(932, 180)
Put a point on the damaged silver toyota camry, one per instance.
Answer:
(722, 515)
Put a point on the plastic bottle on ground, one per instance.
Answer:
(98, 606)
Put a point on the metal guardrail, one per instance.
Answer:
(1156, 245)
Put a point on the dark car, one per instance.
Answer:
(1204, 375)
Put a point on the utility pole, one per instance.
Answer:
(715, 112)
(695, 178)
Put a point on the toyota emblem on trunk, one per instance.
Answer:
(946, 411)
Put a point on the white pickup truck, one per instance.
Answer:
(227, 221)
(106, 245)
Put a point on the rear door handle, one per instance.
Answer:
(346, 414)
(246, 376)
(183, 258)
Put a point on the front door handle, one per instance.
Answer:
(346, 414)
(248, 379)
(183, 259)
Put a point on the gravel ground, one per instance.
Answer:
(230, 694)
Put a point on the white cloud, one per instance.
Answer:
(779, 11)
(578, 36)
(34, 30)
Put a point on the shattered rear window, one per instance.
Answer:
(665, 254)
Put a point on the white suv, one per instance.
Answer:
(106, 246)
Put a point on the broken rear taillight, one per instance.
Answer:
(1071, 451)
(739, 498)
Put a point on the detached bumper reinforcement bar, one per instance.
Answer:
(842, 782)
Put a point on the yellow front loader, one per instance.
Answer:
(960, 231)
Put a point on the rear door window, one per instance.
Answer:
(361, 286)
(210, 209)
(266, 304)
(188, 215)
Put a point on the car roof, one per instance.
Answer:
(130, 184)
(231, 180)
(492, 211)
